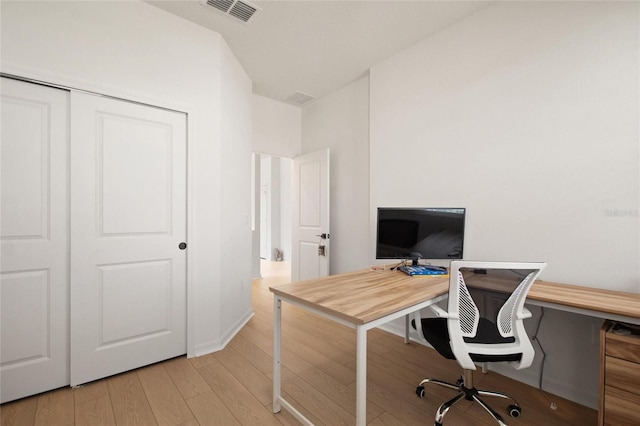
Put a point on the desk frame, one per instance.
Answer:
(361, 352)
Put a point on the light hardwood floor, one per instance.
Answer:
(233, 386)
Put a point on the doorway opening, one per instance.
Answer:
(272, 215)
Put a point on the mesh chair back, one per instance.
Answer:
(468, 311)
(486, 309)
(508, 312)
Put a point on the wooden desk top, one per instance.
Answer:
(363, 296)
(594, 299)
(574, 296)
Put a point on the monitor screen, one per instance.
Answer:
(420, 233)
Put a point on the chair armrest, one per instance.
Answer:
(440, 313)
(525, 313)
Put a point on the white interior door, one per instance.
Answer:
(128, 214)
(34, 336)
(310, 219)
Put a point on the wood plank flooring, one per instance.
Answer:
(233, 386)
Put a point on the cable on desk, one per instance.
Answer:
(552, 404)
(403, 262)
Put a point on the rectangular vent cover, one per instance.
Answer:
(300, 98)
(238, 9)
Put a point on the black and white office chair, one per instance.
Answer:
(483, 323)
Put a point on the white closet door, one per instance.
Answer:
(34, 291)
(128, 215)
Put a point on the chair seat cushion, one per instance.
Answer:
(436, 332)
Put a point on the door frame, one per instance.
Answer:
(59, 82)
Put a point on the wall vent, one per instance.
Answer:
(299, 98)
(238, 9)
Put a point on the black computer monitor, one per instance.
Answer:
(432, 233)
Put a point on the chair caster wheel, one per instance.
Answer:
(514, 410)
(420, 391)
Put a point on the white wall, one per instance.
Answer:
(527, 114)
(136, 51)
(235, 182)
(340, 122)
(256, 228)
(276, 128)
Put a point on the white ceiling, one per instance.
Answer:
(317, 47)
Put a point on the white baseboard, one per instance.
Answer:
(219, 344)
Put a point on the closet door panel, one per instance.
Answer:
(128, 207)
(34, 290)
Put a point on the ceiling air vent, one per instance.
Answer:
(299, 98)
(238, 9)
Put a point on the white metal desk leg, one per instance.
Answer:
(361, 376)
(277, 342)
